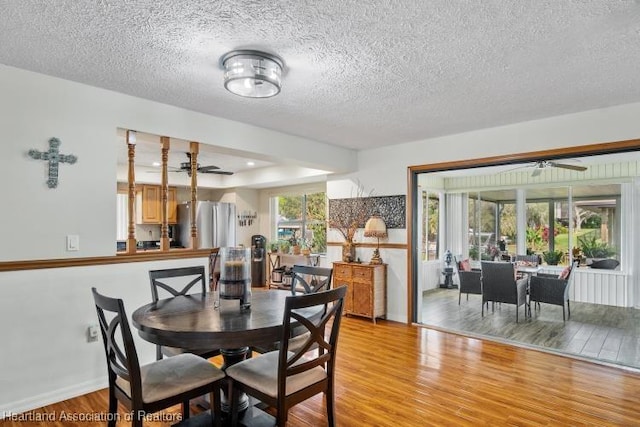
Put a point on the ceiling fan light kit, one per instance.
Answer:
(252, 74)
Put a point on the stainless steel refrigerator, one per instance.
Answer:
(216, 222)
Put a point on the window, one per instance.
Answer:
(302, 220)
(431, 226)
(538, 227)
(557, 219)
(122, 220)
(508, 226)
(483, 244)
(597, 223)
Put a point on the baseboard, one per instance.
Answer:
(19, 406)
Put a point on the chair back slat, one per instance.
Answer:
(319, 278)
(315, 313)
(122, 363)
(117, 357)
(158, 279)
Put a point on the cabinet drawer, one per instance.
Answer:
(342, 271)
(362, 274)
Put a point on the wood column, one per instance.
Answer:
(131, 237)
(194, 148)
(164, 196)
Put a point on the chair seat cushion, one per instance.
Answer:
(174, 351)
(297, 342)
(173, 376)
(261, 373)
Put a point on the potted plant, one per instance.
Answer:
(552, 257)
(295, 244)
(284, 246)
(306, 247)
(593, 248)
(273, 247)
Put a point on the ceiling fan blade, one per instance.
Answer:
(566, 166)
(537, 171)
(218, 172)
(158, 171)
(207, 168)
(516, 168)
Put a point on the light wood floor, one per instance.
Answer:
(392, 374)
(609, 334)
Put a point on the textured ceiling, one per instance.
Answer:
(358, 74)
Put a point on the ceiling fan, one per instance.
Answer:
(186, 167)
(541, 165)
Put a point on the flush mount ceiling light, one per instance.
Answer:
(252, 74)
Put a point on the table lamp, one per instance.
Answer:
(375, 227)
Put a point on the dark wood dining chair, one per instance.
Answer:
(307, 280)
(284, 378)
(175, 282)
(158, 385)
(310, 279)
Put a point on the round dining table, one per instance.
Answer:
(195, 321)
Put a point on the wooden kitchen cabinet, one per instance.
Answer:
(366, 288)
(150, 206)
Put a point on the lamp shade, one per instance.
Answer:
(252, 74)
(375, 227)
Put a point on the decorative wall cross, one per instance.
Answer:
(54, 157)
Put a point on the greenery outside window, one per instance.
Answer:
(431, 226)
(301, 220)
(483, 244)
(592, 213)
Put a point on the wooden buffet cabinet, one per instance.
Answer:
(366, 288)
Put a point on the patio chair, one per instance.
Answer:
(470, 282)
(552, 290)
(499, 285)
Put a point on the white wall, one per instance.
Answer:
(245, 199)
(34, 108)
(44, 313)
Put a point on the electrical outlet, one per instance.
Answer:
(92, 333)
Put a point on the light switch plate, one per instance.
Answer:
(73, 242)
